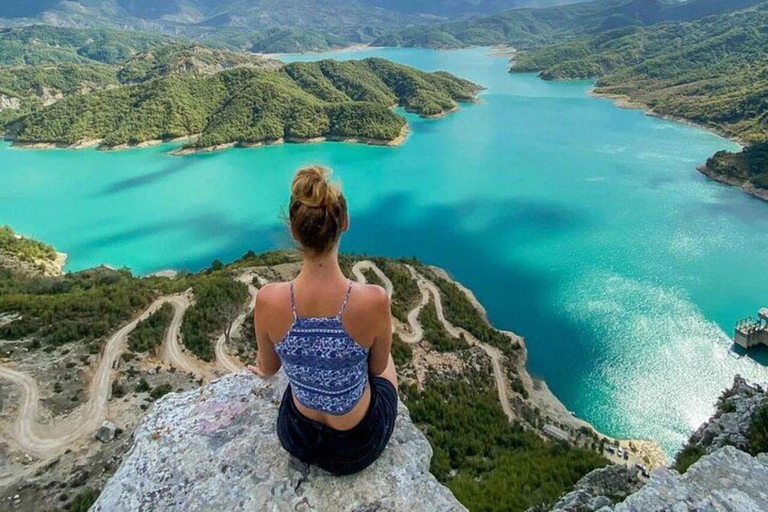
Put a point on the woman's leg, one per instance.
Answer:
(390, 372)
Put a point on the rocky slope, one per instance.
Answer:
(215, 448)
(718, 473)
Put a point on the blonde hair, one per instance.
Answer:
(318, 209)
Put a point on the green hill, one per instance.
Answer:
(182, 59)
(302, 100)
(42, 44)
(747, 169)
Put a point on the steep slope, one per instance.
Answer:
(300, 101)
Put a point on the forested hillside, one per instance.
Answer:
(46, 64)
(713, 71)
(42, 44)
(301, 100)
(525, 28)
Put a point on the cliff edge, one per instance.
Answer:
(215, 448)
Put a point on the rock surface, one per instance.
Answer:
(600, 488)
(726, 480)
(730, 426)
(9, 103)
(215, 448)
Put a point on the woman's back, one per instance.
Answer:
(333, 337)
(324, 336)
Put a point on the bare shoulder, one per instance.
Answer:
(372, 297)
(271, 294)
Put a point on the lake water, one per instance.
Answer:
(581, 226)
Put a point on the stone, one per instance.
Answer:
(599, 488)
(106, 432)
(725, 480)
(215, 448)
(730, 426)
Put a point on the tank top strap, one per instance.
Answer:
(293, 303)
(346, 300)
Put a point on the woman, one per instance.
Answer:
(332, 337)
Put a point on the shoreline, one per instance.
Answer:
(744, 185)
(397, 141)
(542, 396)
(95, 143)
(625, 101)
(357, 47)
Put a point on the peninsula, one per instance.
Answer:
(350, 100)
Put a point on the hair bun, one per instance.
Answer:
(311, 187)
(318, 209)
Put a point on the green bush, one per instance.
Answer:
(687, 457)
(758, 430)
(83, 500)
(160, 391)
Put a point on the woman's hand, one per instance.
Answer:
(258, 371)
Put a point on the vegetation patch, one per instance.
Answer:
(79, 306)
(218, 301)
(150, 332)
(23, 248)
(406, 292)
(758, 430)
(435, 333)
(749, 165)
(488, 463)
(687, 457)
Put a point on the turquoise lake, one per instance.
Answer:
(579, 225)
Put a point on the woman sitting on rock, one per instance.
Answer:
(332, 337)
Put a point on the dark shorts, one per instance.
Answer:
(341, 452)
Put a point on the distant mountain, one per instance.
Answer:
(257, 25)
(532, 27)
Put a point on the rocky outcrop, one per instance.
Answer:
(726, 480)
(9, 103)
(600, 488)
(730, 426)
(215, 448)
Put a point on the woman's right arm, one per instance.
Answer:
(267, 360)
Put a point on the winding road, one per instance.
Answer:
(224, 360)
(47, 439)
(415, 333)
(172, 352)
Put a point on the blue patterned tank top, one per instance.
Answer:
(327, 369)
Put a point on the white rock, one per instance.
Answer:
(215, 448)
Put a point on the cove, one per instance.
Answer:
(581, 226)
